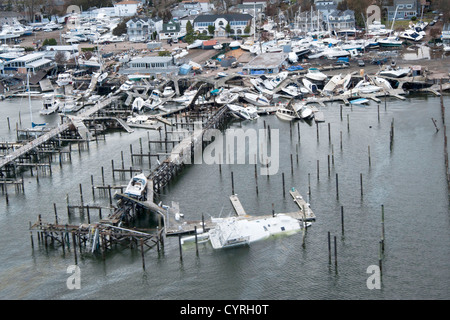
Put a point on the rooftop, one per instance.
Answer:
(226, 16)
(267, 60)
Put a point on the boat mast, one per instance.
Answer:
(29, 97)
(393, 21)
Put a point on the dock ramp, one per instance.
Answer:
(238, 208)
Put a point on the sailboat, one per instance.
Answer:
(29, 104)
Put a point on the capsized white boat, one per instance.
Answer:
(245, 113)
(256, 99)
(366, 87)
(235, 231)
(137, 187)
(292, 90)
(227, 96)
(331, 85)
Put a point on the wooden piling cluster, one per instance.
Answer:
(94, 238)
(183, 152)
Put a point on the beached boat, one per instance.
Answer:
(315, 75)
(411, 34)
(102, 77)
(292, 90)
(196, 44)
(366, 87)
(311, 87)
(245, 113)
(331, 85)
(235, 45)
(390, 42)
(395, 72)
(256, 99)
(64, 79)
(167, 92)
(227, 96)
(127, 85)
(381, 82)
(233, 231)
(137, 187)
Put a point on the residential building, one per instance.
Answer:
(256, 10)
(309, 21)
(156, 66)
(127, 8)
(238, 22)
(341, 20)
(143, 28)
(171, 30)
(446, 33)
(406, 9)
(325, 7)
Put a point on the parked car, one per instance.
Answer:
(361, 63)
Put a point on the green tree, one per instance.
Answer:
(121, 28)
(49, 42)
(211, 29)
(228, 29)
(247, 29)
(189, 28)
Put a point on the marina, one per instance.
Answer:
(242, 179)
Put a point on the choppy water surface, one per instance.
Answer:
(409, 181)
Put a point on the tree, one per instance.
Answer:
(211, 29)
(60, 57)
(228, 29)
(247, 29)
(121, 28)
(189, 28)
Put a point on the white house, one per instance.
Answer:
(127, 8)
(238, 22)
(141, 29)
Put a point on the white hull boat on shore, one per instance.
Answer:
(315, 75)
(311, 87)
(137, 187)
(227, 96)
(395, 72)
(366, 87)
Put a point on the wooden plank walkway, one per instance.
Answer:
(237, 205)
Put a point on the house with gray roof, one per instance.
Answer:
(406, 9)
(142, 28)
(341, 20)
(171, 30)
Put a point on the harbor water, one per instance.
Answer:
(410, 181)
